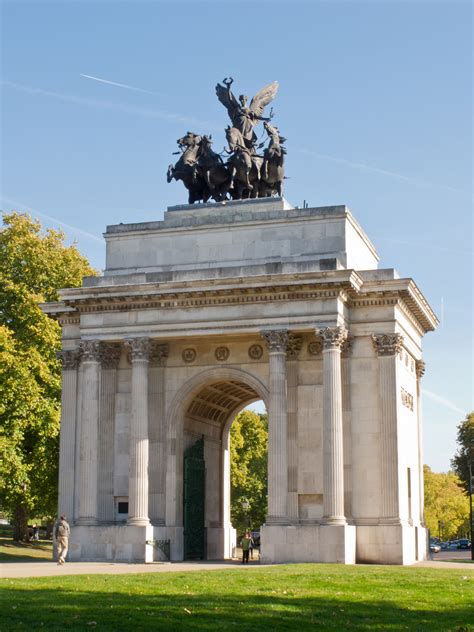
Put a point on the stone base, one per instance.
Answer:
(308, 543)
(221, 543)
(391, 544)
(123, 543)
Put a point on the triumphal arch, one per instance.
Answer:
(196, 316)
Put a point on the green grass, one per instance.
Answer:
(10, 551)
(292, 597)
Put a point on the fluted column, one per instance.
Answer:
(294, 347)
(89, 432)
(387, 347)
(420, 371)
(157, 433)
(277, 342)
(109, 358)
(333, 448)
(67, 444)
(140, 349)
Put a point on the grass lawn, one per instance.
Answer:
(291, 597)
(10, 551)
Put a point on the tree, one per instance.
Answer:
(445, 501)
(465, 451)
(248, 473)
(35, 264)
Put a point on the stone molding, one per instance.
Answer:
(189, 355)
(139, 349)
(277, 340)
(110, 355)
(333, 337)
(90, 350)
(159, 353)
(315, 347)
(420, 367)
(255, 352)
(294, 346)
(69, 358)
(387, 344)
(221, 354)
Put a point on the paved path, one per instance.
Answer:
(51, 569)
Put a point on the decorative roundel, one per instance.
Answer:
(221, 353)
(255, 352)
(189, 355)
(315, 347)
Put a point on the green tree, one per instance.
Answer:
(445, 500)
(34, 265)
(248, 473)
(465, 451)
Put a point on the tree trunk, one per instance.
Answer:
(20, 524)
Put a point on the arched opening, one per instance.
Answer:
(204, 460)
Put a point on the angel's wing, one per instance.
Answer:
(263, 98)
(227, 99)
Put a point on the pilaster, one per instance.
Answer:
(140, 352)
(109, 358)
(277, 343)
(89, 432)
(387, 347)
(333, 452)
(420, 371)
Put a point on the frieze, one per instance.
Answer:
(333, 337)
(255, 352)
(277, 340)
(69, 358)
(221, 354)
(387, 344)
(90, 350)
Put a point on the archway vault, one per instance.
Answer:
(216, 402)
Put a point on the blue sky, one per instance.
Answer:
(375, 101)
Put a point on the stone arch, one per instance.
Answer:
(251, 389)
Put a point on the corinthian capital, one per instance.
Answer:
(159, 353)
(333, 337)
(277, 340)
(387, 344)
(294, 346)
(90, 350)
(110, 355)
(69, 359)
(139, 348)
(420, 368)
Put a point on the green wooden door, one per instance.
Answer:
(194, 474)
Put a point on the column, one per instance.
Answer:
(277, 342)
(333, 449)
(89, 432)
(387, 347)
(140, 350)
(67, 444)
(109, 358)
(420, 371)
(294, 347)
(157, 433)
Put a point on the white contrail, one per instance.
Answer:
(25, 207)
(443, 401)
(384, 172)
(114, 83)
(110, 105)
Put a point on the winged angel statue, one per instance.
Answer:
(245, 118)
(245, 173)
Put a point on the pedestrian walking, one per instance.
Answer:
(61, 533)
(247, 542)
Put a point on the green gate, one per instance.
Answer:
(194, 474)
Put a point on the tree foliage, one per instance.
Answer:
(34, 265)
(465, 451)
(445, 501)
(249, 447)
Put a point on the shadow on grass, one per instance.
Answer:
(73, 608)
(10, 551)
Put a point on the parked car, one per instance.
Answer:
(434, 548)
(452, 545)
(464, 543)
